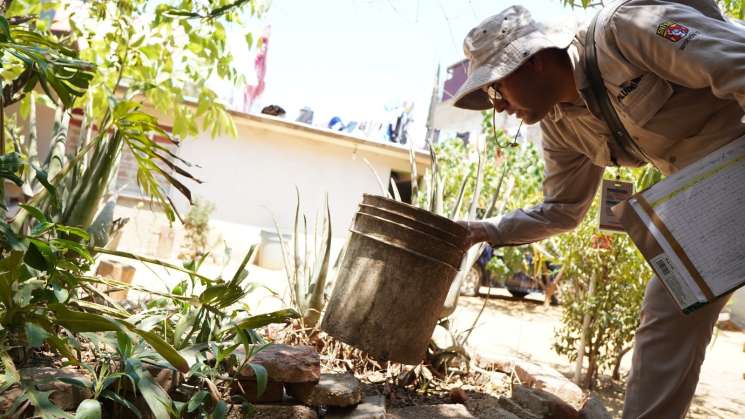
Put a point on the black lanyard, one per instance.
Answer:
(601, 99)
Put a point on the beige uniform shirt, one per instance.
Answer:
(675, 73)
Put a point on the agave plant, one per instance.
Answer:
(307, 276)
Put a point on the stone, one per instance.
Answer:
(534, 375)
(491, 361)
(269, 411)
(274, 392)
(542, 403)
(454, 411)
(517, 410)
(450, 411)
(65, 396)
(458, 395)
(594, 409)
(372, 407)
(331, 390)
(543, 377)
(285, 363)
(495, 412)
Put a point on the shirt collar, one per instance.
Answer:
(576, 52)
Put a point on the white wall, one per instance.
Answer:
(254, 176)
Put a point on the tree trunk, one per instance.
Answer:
(550, 289)
(585, 333)
(592, 367)
(617, 364)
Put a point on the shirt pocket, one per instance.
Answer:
(645, 99)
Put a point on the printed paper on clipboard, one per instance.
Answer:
(690, 227)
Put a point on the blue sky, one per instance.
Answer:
(352, 58)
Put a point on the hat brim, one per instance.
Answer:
(471, 95)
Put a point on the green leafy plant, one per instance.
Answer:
(47, 298)
(308, 275)
(602, 291)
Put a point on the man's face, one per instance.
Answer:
(526, 92)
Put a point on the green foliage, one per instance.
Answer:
(55, 67)
(620, 274)
(116, 56)
(458, 166)
(128, 53)
(307, 264)
(457, 170)
(733, 8)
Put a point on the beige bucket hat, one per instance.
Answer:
(502, 43)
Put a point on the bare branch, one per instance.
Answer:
(5, 5)
(10, 91)
(18, 20)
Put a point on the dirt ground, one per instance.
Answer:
(525, 328)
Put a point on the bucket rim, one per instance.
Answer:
(383, 241)
(456, 237)
(416, 209)
(438, 239)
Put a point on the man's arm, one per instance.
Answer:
(569, 186)
(682, 45)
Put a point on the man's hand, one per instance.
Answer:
(476, 232)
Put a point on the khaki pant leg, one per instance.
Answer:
(669, 348)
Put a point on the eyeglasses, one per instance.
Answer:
(494, 95)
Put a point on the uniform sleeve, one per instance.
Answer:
(683, 45)
(570, 183)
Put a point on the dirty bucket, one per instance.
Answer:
(455, 240)
(387, 299)
(393, 281)
(408, 237)
(423, 216)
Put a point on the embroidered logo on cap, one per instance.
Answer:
(672, 31)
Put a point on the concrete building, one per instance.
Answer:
(252, 181)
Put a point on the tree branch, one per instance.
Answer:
(5, 5)
(17, 20)
(10, 91)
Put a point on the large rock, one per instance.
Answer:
(372, 407)
(594, 409)
(268, 411)
(450, 411)
(535, 375)
(274, 392)
(495, 412)
(542, 403)
(332, 390)
(517, 410)
(286, 364)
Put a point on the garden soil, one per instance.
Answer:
(525, 328)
